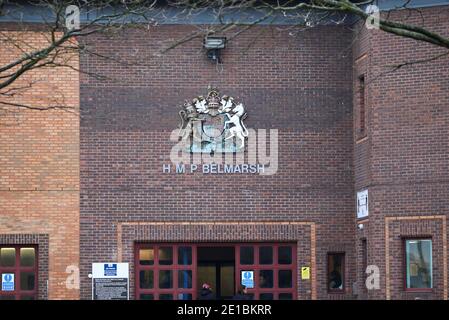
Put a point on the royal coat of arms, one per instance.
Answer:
(212, 123)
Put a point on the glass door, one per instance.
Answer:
(165, 272)
(273, 268)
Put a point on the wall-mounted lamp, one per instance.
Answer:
(213, 45)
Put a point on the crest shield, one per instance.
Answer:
(208, 124)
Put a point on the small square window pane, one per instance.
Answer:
(185, 256)
(285, 255)
(165, 255)
(185, 279)
(27, 257)
(266, 278)
(246, 255)
(165, 279)
(285, 296)
(285, 279)
(419, 264)
(146, 256)
(165, 297)
(250, 296)
(146, 296)
(266, 296)
(146, 279)
(27, 281)
(7, 257)
(184, 296)
(266, 255)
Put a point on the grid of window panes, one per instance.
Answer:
(165, 272)
(18, 269)
(274, 267)
(418, 263)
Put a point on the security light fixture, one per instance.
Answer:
(214, 42)
(213, 45)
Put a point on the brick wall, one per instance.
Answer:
(297, 84)
(404, 160)
(39, 167)
(301, 85)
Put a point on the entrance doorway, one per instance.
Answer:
(177, 271)
(216, 267)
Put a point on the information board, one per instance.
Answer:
(110, 281)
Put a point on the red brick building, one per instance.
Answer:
(344, 125)
(39, 179)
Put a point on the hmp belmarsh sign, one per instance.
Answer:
(214, 168)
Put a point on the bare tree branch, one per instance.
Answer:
(112, 16)
(396, 67)
(20, 105)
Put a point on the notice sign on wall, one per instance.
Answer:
(305, 273)
(248, 279)
(110, 281)
(110, 289)
(7, 281)
(362, 204)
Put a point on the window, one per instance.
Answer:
(361, 123)
(165, 255)
(19, 264)
(274, 267)
(285, 255)
(246, 255)
(185, 256)
(336, 272)
(146, 256)
(164, 272)
(266, 278)
(418, 264)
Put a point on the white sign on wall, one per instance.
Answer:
(362, 204)
(110, 281)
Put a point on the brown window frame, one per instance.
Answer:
(17, 269)
(343, 272)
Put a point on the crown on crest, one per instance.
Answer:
(213, 98)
